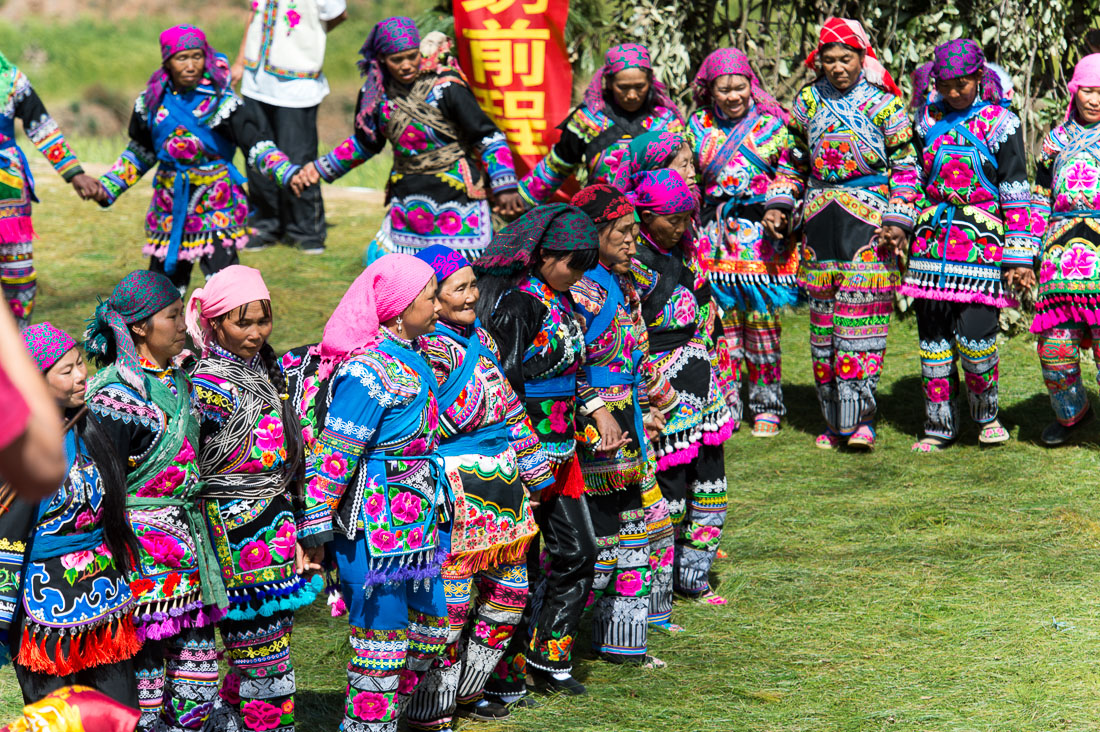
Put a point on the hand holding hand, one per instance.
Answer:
(612, 437)
(87, 187)
(775, 223)
(893, 237)
(304, 178)
(1020, 277)
(508, 204)
(308, 560)
(654, 423)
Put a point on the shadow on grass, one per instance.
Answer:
(319, 709)
(803, 412)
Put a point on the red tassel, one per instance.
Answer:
(568, 481)
(64, 668)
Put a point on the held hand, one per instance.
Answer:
(87, 187)
(893, 237)
(1020, 277)
(236, 71)
(775, 223)
(612, 437)
(508, 204)
(304, 178)
(533, 499)
(654, 423)
(308, 560)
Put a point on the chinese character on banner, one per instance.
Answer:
(513, 52)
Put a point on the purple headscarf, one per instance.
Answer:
(172, 41)
(620, 58)
(665, 193)
(734, 61)
(960, 57)
(444, 260)
(648, 151)
(47, 344)
(389, 36)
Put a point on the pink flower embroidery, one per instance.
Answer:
(558, 411)
(375, 505)
(420, 221)
(370, 705)
(1078, 263)
(292, 20)
(285, 538)
(956, 175)
(419, 446)
(255, 555)
(269, 434)
(231, 689)
(959, 245)
(832, 157)
(628, 584)
(85, 519)
(407, 683)
(260, 715)
(77, 560)
(415, 539)
(976, 383)
(413, 138)
(163, 483)
(335, 465)
(1080, 175)
(406, 507)
(1046, 271)
(397, 218)
(938, 390)
(162, 549)
(449, 223)
(184, 148)
(186, 453)
(758, 184)
(219, 194)
(383, 540)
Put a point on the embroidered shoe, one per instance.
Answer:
(863, 438)
(993, 433)
(766, 425)
(928, 444)
(827, 440)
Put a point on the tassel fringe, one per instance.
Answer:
(113, 641)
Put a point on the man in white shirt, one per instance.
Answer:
(279, 67)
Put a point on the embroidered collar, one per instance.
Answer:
(255, 362)
(154, 369)
(389, 335)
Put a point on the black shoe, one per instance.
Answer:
(484, 711)
(258, 242)
(525, 702)
(311, 248)
(547, 684)
(1056, 433)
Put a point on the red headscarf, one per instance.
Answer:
(851, 33)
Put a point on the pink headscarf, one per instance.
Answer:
(1086, 73)
(734, 61)
(851, 33)
(184, 38)
(227, 290)
(382, 291)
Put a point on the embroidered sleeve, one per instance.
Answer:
(552, 171)
(249, 130)
(134, 162)
(904, 173)
(459, 104)
(1021, 245)
(793, 168)
(272, 162)
(354, 151)
(43, 131)
(1041, 191)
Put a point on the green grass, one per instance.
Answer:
(867, 592)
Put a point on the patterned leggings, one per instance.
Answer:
(658, 527)
(623, 579)
(259, 686)
(177, 681)
(847, 343)
(751, 339)
(1059, 356)
(475, 643)
(950, 331)
(18, 279)
(697, 500)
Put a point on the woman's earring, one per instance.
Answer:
(399, 326)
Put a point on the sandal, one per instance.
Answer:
(929, 443)
(993, 433)
(827, 440)
(863, 438)
(711, 598)
(668, 627)
(766, 425)
(653, 662)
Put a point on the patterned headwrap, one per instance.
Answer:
(733, 61)
(851, 33)
(620, 58)
(557, 227)
(184, 38)
(604, 204)
(663, 192)
(382, 291)
(444, 260)
(648, 151)
(960, 57)
(226, 291)
(140, 294)
(1085, 74)
(922, 85)
(47, 344)
(389, 36)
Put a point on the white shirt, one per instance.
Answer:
(296, 93)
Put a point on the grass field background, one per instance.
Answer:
(887, 591)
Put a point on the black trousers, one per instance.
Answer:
(210, 265)
(116, 680)
(276, 213)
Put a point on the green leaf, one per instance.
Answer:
(70, 576)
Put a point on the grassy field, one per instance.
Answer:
(867, 592)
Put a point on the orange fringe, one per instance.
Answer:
(468, 563)
(109, 643)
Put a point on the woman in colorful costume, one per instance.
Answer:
(852, 161)
(618, 368)
(191, 122)
(676, 307)
(64, 561)
(441, 139)
(740, 137)
(623, 101)
(250, 452)
(525, 304)
(143, 402)
(375, 482)
(1066, 213)
(973, 235)
(487, 439)
(17, 276)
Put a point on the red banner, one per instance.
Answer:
(514, 54)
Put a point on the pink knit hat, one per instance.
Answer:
(382, 291)
(227, 290)
(1086, 73)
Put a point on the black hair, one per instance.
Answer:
(493, 286)
(295, 461)
(117, 533)
(1092, 38)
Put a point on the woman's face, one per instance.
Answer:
(841, 66)
(186, 68)
(163, 335)
(244, 331)
(559, 274)
(1087, 100)
(617, 243)
(420, 316)
(959, 93)
(630, 87)
(403, 66)
(732, 94)
(457, 296)
(684, 163)
(67, 379)
(667, 229)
